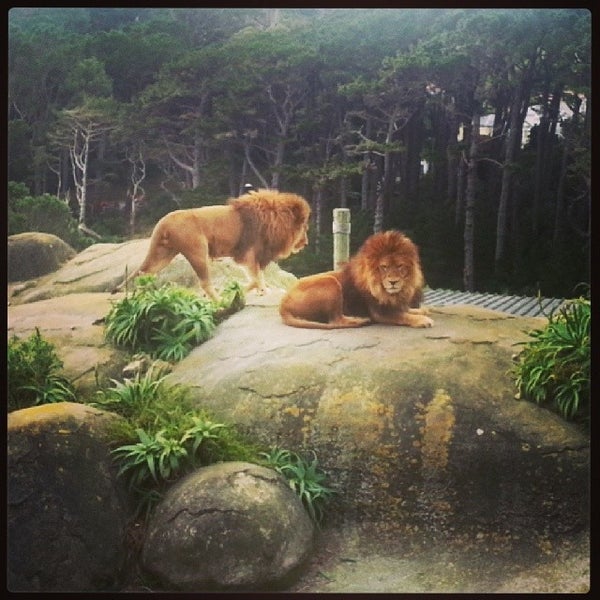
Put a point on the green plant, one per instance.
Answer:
(163, 436)
(34, 373)
(45, 213)
(166, 322)
(133, 398)
(304, 477)
(554, 367)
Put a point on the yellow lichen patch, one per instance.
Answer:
(357, 416)
(437, 430)
(294, 411)
(66, 416)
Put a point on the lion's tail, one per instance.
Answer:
(342, 322)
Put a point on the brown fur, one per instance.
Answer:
(382, 283)
(253, 229)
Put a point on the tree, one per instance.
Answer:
(273, 72)
(79, 129)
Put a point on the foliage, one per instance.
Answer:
(44, 213)
(554, 367)
(304, 477)
(34, 373)
(347, 102)
(167, 321)
(166, 437)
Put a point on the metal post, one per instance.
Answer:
(341, 236)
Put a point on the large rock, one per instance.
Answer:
(73, 323)
(229, 525)
(101, 267)
(416, 427)
(33, 254)
(67, 511)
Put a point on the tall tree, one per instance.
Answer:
(79, 129)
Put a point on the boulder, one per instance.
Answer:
(229, 525)
(33, 254)
(100, 267)
(67, 511)
(418, 428)
(74, 324)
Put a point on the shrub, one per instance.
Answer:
(304, 477)
(554, 367)
(34, 373)
(44, 213)
(165, 436)
(166, 322)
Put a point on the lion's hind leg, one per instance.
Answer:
(198, 257)
(317, 303)
(156, 260)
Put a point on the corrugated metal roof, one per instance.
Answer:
(525, 306)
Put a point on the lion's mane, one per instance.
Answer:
(271, 221)
(366, 277)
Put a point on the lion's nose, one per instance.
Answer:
(394, 282)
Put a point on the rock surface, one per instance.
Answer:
(66, 509)
(418, 431)
(417, 427)
(33, 254)
(229, 525)
(101, 267)
(73, 323)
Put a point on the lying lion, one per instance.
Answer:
(382, 283)
(254, 229)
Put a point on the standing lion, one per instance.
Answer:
(254, 229)
(382, 283)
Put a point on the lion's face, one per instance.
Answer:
(394, 273)
(388, 268)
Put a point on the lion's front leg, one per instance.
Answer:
(408, 318)
(256, 279)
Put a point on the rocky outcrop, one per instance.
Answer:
(74, 324)
(416, 427)
(229, 525)
(67, 511)
(34, 254)
(101, 267)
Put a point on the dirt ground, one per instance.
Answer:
(358, 559)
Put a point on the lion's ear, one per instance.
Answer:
(300, 212)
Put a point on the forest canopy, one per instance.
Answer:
(468, 129)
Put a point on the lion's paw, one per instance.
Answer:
(425, 322)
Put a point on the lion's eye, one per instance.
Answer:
(384, 268)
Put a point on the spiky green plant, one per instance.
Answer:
(304, 477)
(34, 373)
(553, 367)
(165, 321)
(163, 436)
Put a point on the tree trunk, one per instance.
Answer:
(517, 115)
(79, 152)
(366, 174)
(277, 164)
(343, 192)
(452, 157)
(364, 185)
(470, 197)
(539, 175)
(318, 215)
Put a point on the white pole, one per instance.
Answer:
(341, 236)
